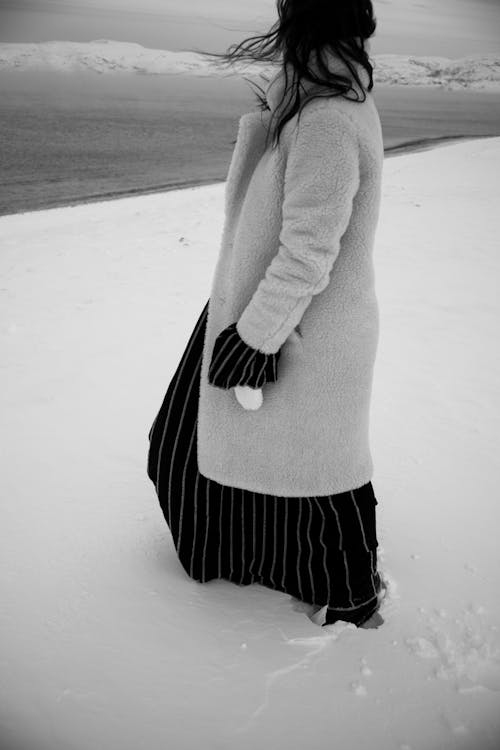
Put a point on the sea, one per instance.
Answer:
(69, 138)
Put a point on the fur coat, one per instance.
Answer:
(295, 271)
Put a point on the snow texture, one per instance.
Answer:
(105, 640)
(476, 71)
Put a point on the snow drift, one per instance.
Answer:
(479, 71)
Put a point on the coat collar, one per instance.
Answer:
(276, 85)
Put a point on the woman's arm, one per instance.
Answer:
(321, 180)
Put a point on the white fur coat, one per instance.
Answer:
(295, 270)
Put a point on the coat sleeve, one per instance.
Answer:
(235, 363)
(321, 180)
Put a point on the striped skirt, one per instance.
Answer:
(321, 550)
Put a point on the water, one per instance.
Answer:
(70, 138)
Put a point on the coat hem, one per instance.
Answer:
(338, 489)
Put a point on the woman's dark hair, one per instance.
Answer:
(305, 27)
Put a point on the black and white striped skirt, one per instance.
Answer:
(321, 550)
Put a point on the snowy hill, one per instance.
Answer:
(480, 71)
(106, 642)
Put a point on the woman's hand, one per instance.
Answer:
(249, 398)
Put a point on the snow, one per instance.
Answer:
(105, 640)
(476, 71)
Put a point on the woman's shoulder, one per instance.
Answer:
(321, 119)
(321, 108)
(330, 117)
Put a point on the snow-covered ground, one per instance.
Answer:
(106, 643)
(477, 71)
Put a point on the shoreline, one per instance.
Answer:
(413, 146)
(425, 144)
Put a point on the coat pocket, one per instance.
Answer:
(296, 337)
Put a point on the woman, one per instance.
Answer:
(260, 454)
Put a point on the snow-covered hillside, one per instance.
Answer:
(480, 71)
(105, 642)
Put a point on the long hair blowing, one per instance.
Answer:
(304, 27)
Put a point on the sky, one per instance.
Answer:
(449, 28)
